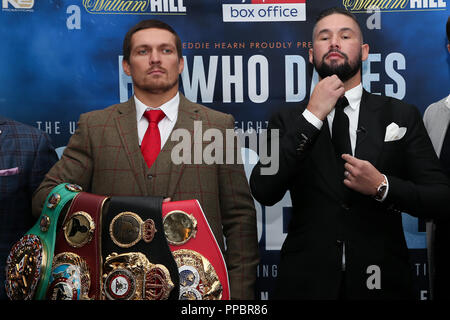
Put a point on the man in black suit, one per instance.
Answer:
(352, 166)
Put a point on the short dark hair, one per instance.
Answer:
(148, 24)
(337, 10)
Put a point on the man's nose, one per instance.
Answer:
(154, 57)
(335, 42)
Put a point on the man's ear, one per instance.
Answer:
(311, 56)
(365, 51)
(180, 65)
(126, 67)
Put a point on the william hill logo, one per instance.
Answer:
(135, 6)
(264, 11)
(394, 5)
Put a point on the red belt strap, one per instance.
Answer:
(195, 250)
(81, 234)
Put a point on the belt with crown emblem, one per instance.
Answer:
(138, 263)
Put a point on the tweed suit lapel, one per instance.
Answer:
(187, 114)
(126, 125)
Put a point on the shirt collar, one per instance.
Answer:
(170, 108)
(447, 101)
(354, 96)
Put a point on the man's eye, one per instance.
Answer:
(167, 50)
(142, 52)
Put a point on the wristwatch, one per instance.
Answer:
(381, 190)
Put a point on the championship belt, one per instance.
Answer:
(138, 263)
(28, 266)
(76, 268)
(202, 269)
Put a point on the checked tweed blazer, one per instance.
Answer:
(104, 157)
(26, 155)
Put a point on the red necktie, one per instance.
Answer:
(151, 144)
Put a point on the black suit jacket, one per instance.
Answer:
(326, 214)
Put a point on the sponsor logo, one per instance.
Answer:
(17, 5)
(152, 7)
(361, 6)
(265, 11)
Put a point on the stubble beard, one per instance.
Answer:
(344, 71)
(157, 88)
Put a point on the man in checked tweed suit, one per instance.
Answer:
(26, 155)
(104, 156)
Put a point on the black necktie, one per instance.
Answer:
(445, 152)
(340, 134)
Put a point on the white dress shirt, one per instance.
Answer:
(352, 111)
(165, 126)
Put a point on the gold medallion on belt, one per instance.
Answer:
(198, 279)
(131, 276)
(127, 229)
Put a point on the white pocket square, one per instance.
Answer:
(9, 172)
(394, 132)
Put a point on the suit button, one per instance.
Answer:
(345, 206)
(149, 176)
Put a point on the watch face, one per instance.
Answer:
(380, 192)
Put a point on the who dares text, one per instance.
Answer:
(259, 78)
(253, 78)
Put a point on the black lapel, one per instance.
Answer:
(371, 130)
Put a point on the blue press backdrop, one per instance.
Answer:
(60, 58)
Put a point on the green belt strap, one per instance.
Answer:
(45, 228)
